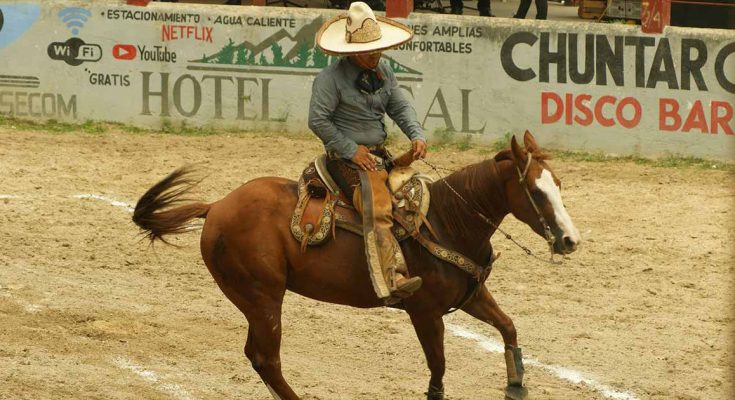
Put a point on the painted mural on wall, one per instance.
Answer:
(577, 86)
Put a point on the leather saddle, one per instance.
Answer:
(322, 207)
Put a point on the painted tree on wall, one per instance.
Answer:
(321, 60)
(302, 56)
(278, 60)
(225, 55)
(242, 56)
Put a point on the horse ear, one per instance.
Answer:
(530, 142)
(518, 154)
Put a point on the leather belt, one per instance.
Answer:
(376, 149)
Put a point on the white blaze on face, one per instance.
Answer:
(546, 184)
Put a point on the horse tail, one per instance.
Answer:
(154, 213)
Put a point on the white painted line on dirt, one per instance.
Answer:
(150, 376)
(32, 308)
(564, 373)
(8, 196)
(27, 307)
(113, 202)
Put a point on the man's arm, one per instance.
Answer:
(324, 100)
(400, 110)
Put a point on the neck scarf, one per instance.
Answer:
(369, 81)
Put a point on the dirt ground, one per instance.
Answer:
(89, 311)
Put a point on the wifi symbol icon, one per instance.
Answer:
(75, 18)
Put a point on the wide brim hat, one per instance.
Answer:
(359, 31)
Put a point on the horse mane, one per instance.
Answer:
(507, 154)
(503, 155)
(474, 184)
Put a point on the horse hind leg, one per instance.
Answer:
(484, 308)
(263, 350)
(257, 291)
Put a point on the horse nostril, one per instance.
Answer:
(569, 243)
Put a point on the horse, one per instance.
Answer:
(247, 246)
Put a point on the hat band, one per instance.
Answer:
(368, 32)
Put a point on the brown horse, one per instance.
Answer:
(249, 250)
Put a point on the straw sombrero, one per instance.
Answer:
(359, 31)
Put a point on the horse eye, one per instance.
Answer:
(538, 194)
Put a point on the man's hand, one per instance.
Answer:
(419, 149)
(362, 158)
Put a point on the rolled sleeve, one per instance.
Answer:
(324, 100)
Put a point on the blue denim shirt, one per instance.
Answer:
(343, 116)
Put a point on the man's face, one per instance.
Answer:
(367, 61)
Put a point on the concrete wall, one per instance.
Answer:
(578, 86)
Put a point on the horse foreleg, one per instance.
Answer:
(430, 332)
(484, 308)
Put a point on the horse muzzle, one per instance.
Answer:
(565, 244)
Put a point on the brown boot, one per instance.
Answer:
(404, 287)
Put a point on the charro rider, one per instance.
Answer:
(348, 105)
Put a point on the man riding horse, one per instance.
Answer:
(348, 105)
(247, 244)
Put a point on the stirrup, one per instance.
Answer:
(407, 286)
(405, 289)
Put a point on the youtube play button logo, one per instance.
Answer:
(124, 52)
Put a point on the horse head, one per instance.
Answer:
(535, 197)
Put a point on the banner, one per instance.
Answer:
(576, 86)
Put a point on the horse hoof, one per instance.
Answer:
(516, 393)
(435, 394)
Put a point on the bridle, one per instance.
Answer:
(548, 236)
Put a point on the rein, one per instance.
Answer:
(524, 183)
